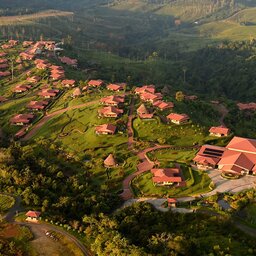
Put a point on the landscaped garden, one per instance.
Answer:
(197, 182)
(178, 135)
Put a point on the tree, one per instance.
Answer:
(179, 96)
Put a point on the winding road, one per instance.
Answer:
(38, 227)
(47, 117)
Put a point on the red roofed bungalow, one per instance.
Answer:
(95, 83)
(77, 92)
(57, 76)
(145, 88)
(37, 105)
(68, 83)
(21, 88)
(150, 97)
(2, 99)
(22, 119)
(48, 93)
(112, 100)
(247, 106)
(33, 79)
(105, 129)
(219, 131)
(33, 216)
(4, 66)
(5, 73)
(110, 162)
(26, 56)
(163, 105)
(21, 132)
(3, 54)
(13, 42)
(171, 202)
(6, 46)
(143, 112)
(112, 112)
(3, 61)
(68, 61)
(27, 43)
(178, 118)
(166, 177)
(116, 87)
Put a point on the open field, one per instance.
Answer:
(179, 135)
(27, 19)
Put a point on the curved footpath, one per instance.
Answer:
(47, 117)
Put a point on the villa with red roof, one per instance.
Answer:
(37, 105)
(26, 56)
(22, 119)
(112, 100)
(247, 106)
(166, 176)
(105, 129)
(219, 131)
(21, 88)
(48, 93)
(143, 112)
(238, 157)
(95, 83)
(145, 88)
(27, 43)
(112, 112)
(163, 105)
(33, 79)
(116, 87)
(150, 97)
(4, 66)
(5, 73)
(68, 83)
(3, 61)
(33, 216)
(69, 61)
(178, 118)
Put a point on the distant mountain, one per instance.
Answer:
(186, 10)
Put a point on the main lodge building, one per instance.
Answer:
(237, 158)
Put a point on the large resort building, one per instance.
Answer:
(237, 158)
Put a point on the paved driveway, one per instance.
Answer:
(233, 186)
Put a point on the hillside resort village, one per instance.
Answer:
(238, 158)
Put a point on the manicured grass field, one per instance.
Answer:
(165, 156)
(179, 135)
(197, 182)
(6, 202)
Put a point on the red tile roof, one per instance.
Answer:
(21, 88)
(247, 106)
(69, 82)
(166, 175)
(112, 100)
(33, 214)
(219, 130)
(68, 61)
(163, 105)
(105, 128)
(5, 73)
(95, 83)
(37, 104)
(178, 117)
(110, 161)
(110, 111)
(48, 92)
(242, 145)
(22, 118)
(115, 87)
(3, 66)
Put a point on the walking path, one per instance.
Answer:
(47, 117)
(142, 167)
(223, 111)
(129, 125)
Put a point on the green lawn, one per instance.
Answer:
(197, 182)
(6, 202)
(178, 135)
(165, 156)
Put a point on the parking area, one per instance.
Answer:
(233, 186)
